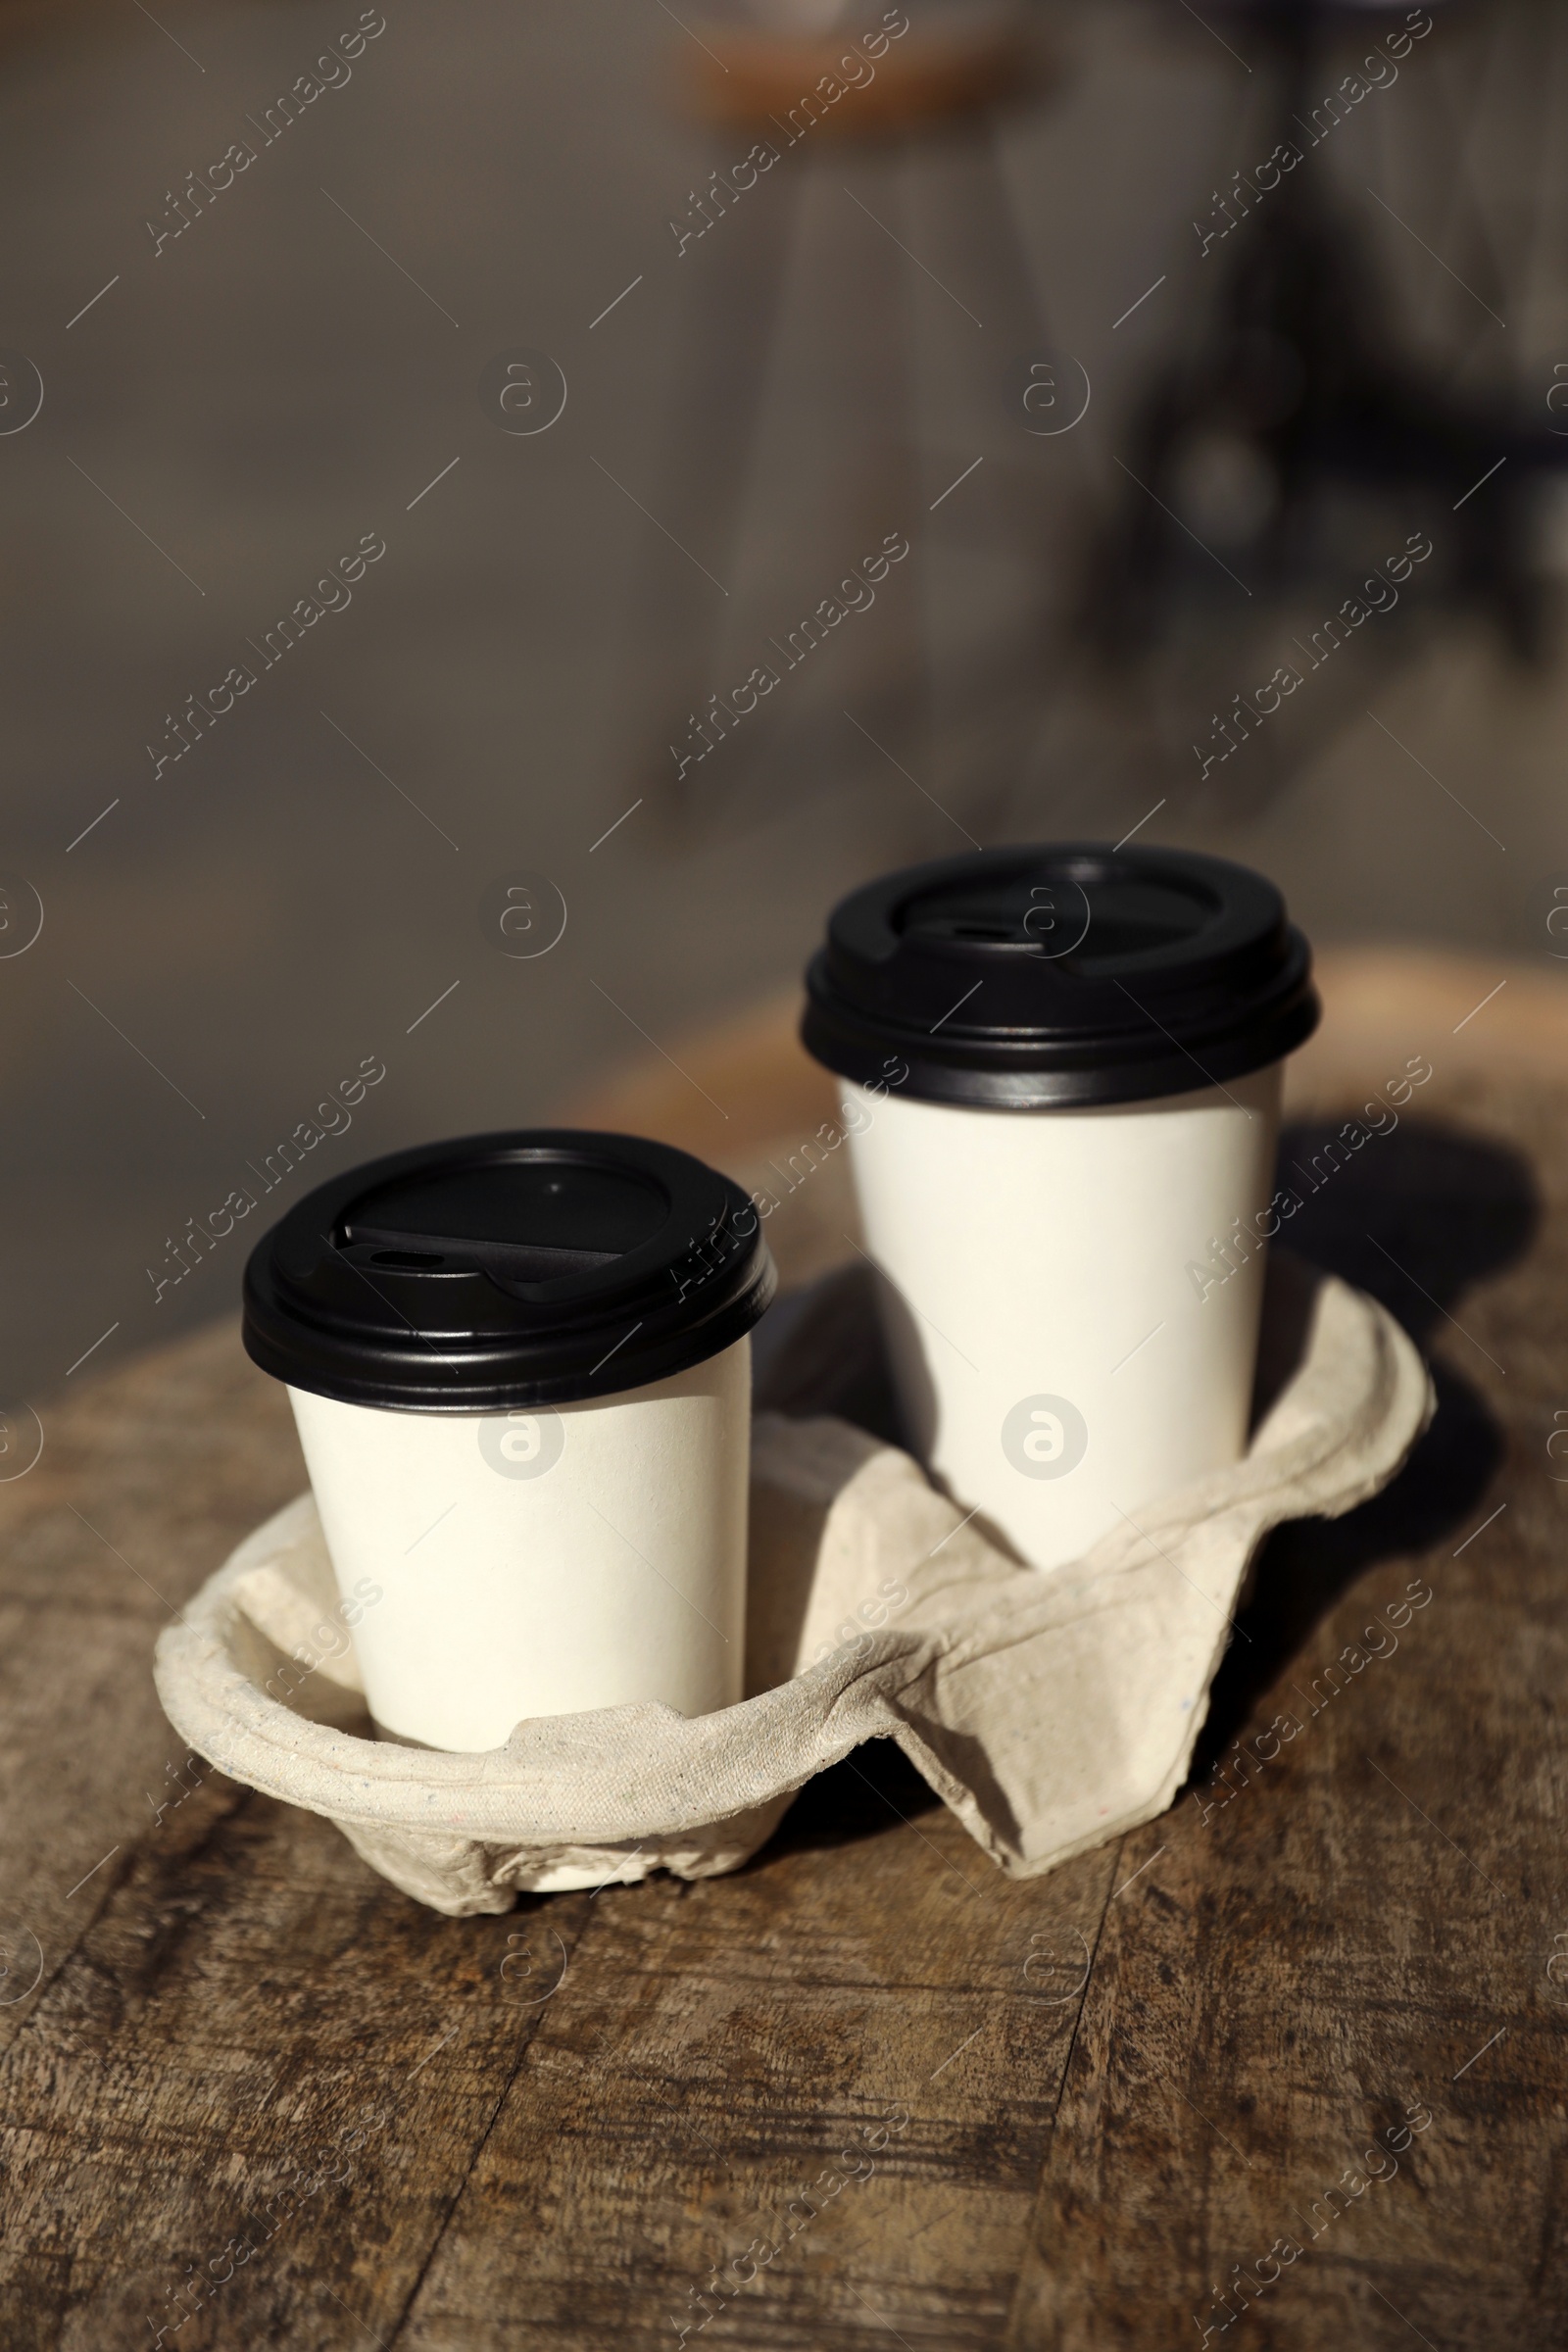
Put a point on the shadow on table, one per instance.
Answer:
(1415, 1219)
(873, 1790)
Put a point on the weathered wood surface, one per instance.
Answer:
(962, 2113)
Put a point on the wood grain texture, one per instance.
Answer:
(1365, 1918)
(911, 2101)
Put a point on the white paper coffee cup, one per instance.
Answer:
(1065, 1070)
(545, 1561)
(1066, 1382)
(521, 1370)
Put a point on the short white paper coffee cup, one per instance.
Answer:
(521, 1370)
(541, 1561)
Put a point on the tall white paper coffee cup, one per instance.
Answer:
(1058, 1384)
(1064, 1070)
(521, 1370)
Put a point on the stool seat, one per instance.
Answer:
(834, 85)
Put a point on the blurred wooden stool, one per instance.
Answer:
(830, 381)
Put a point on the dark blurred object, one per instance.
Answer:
(1292, 394)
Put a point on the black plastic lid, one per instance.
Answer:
(1063, 973)
(506, 1270)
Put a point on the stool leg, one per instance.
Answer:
(679, 603)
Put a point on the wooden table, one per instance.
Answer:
(962, 2112)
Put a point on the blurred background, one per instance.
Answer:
(510, 512)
